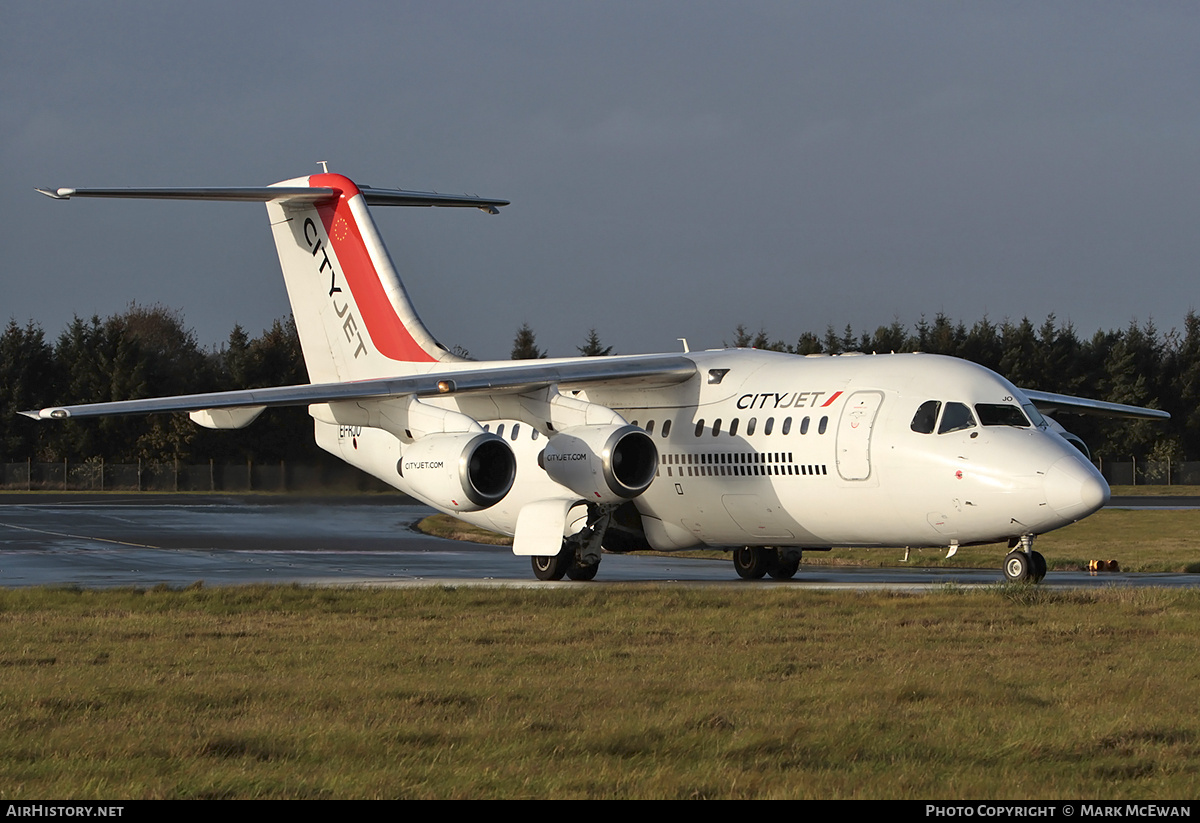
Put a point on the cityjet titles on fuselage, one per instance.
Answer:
(349, 324)
(788, 400)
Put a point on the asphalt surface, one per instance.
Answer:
(144, 540)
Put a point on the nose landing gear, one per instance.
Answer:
(1023, 564)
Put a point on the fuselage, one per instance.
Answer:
(768, 449)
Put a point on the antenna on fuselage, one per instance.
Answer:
(324, 164)
(683, 340)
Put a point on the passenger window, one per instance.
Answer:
(500, 430)
(955, 418)
(649, 427)
(533, 434)
(787, 425)
(666, 429)
(733, 427)
(821, 426)
(515, 432)
(770, 424)
(750, 426)
(804, 426)
(716, 427)
(926, 417)
(700, 427)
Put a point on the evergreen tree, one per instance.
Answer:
(886, 339)
(235, 360)
(742, 338)
(525, 345)
(982, 345)
(593, 347)
(1020, 361)
(1186, 394)
(808, 343)
(28, 380)
(832, 344)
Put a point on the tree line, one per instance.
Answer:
(145, 352)
(1136, 365)
(149, 351)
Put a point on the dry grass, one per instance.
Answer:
(451, 528)
(599, 692)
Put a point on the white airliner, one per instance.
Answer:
(760, 453)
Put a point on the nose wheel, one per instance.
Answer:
(1024, 565)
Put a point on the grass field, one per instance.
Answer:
(631, 691)
(1140, 541)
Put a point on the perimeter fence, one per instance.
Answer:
(1151, 472)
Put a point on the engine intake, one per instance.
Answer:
(604, 464)
(468, 472)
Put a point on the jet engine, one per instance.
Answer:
(603, 464)
(467, 471)
(1074, 439)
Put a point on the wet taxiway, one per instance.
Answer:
(145, 540)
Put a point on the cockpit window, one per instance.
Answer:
(1001, 414)
(926, 416)
(956, 418)
(1035, 415)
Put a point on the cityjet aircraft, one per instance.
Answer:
(756, 452)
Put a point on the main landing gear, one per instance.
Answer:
(1023, 564)
(579, 558)
(755, 562)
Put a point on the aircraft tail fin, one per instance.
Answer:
(353, 315)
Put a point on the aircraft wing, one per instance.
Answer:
(1050, 403)
(574, 372)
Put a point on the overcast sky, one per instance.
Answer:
(675, 169)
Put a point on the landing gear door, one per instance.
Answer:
(854, 434)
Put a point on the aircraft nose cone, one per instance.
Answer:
(1074, 489)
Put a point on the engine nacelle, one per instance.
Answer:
(604, 464)
(1074, 439)
(466, 472)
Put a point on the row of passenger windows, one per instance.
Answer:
(768, 426)
(958, 416)
(748, 471)
(737, 464)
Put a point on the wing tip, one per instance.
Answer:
(56, 413)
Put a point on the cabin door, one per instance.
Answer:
(854, 434)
